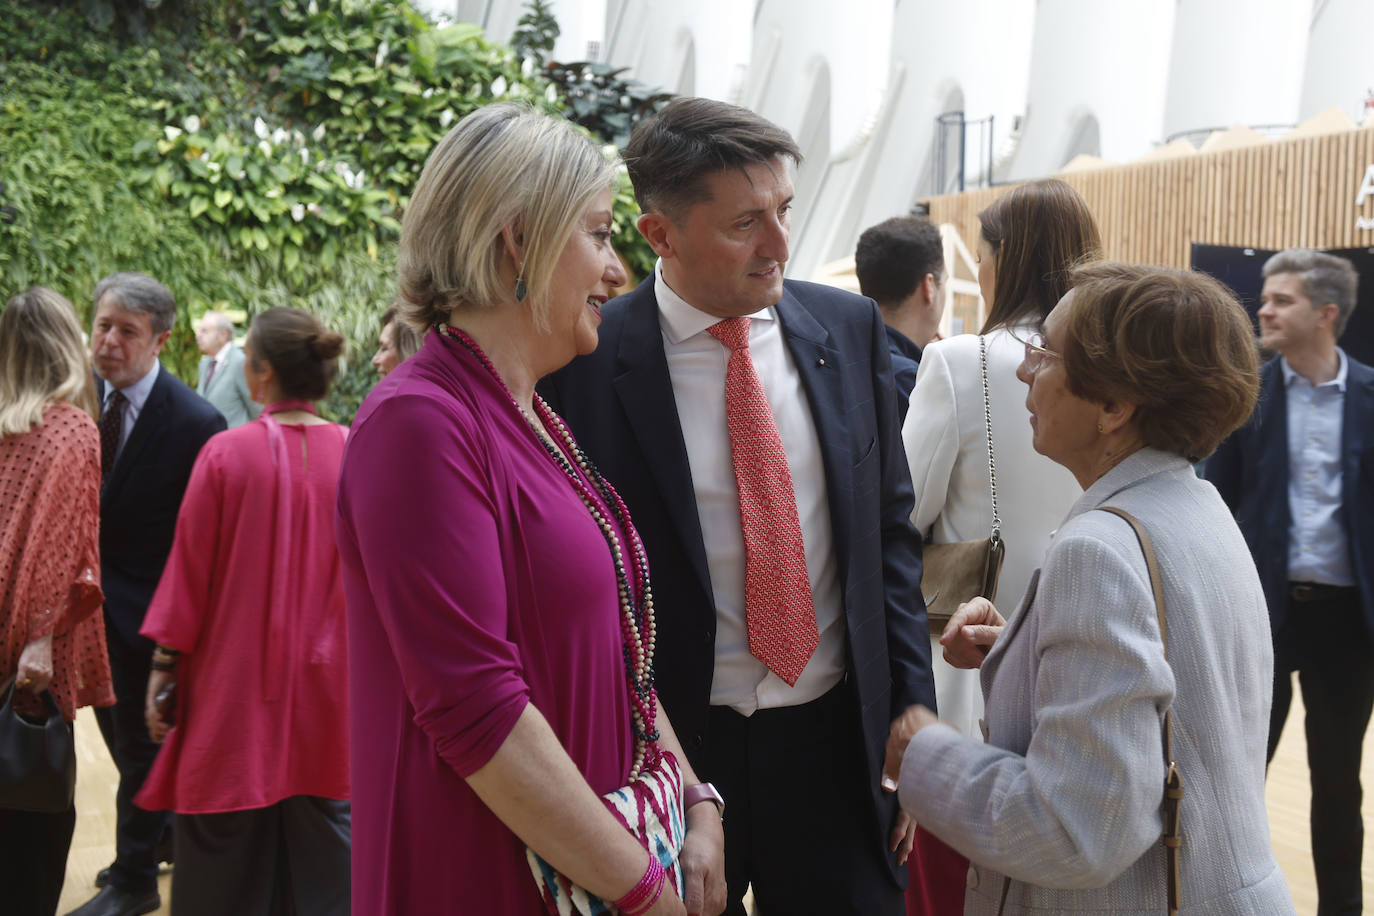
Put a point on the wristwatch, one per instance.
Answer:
(702, 792)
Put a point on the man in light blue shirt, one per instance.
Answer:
(1296, 480)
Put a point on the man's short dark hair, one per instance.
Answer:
(894, 256)
(671, 153)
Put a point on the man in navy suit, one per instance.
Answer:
(151, 428)
(900, 264)
(794, 745)
(1300, 479)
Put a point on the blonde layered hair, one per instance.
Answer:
(503, 165)
(42, 360)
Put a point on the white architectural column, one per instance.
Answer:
(975, 56)
(819, 70)
(1340, 59)
(699, 48)
(1236, 62)
(582, 30)
(1095, 60)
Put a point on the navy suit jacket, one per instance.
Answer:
(906, 359)
(142, 495)
(619, 403)
(1250, 469)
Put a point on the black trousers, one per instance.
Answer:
(798, 811)
(1325, 641)
(33, 860)
(288, 859)
(137, 832)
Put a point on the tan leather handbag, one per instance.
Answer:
(955, 573)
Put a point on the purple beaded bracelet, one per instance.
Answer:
(641, 898)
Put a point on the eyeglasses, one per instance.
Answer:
(1036, 351)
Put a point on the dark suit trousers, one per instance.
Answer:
(798, 822)
(33, 860)
(137, 832)
(1327, 644)
(288, 858)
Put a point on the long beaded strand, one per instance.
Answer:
(636, 599)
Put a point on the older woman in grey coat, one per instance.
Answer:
(1138, 373)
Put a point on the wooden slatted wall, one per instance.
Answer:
(1284, 194)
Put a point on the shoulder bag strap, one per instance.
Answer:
(1173, 780)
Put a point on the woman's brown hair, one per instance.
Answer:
(299, 348)
(1174, 343)
(1039, 231)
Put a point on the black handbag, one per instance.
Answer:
(37, 759)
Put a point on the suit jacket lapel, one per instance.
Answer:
(645, 390)
(1273, 435)
(1359, 404)
(149, 419)
(202, 387)
(1014, 621)
(818, 363)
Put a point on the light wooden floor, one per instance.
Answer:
(1287, 796)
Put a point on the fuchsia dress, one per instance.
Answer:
(477, 583)
(253, 596)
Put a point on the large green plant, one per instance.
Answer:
(65, 160)
(248, 153)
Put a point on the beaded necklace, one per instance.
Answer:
(636, 597)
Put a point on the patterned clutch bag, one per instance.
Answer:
(650, 808)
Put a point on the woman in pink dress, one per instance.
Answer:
(52, 634)
(500, 616)
(250, 675)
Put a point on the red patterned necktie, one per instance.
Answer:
(111, 423)
(779, 611)
(210, 374)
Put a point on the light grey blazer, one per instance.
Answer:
(1065, 797)
(228, 390)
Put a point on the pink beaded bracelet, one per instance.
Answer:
(641, 898)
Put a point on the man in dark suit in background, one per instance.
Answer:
(1300, 479)
(152, 426)
(751, 426)
(900, 264)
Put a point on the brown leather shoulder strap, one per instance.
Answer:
(1172, 838)
(1173, 786)
(1156, 586)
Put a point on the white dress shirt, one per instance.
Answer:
(696, 366)
(137, 396)
(222, 354)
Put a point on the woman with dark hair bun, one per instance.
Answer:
(249, 684)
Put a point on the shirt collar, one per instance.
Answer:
(904, 344)
(681, 319)
(137, 393)
(1290, 375)
(223, 351)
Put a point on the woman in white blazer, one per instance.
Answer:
(1030, 238)
(1140, 372)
